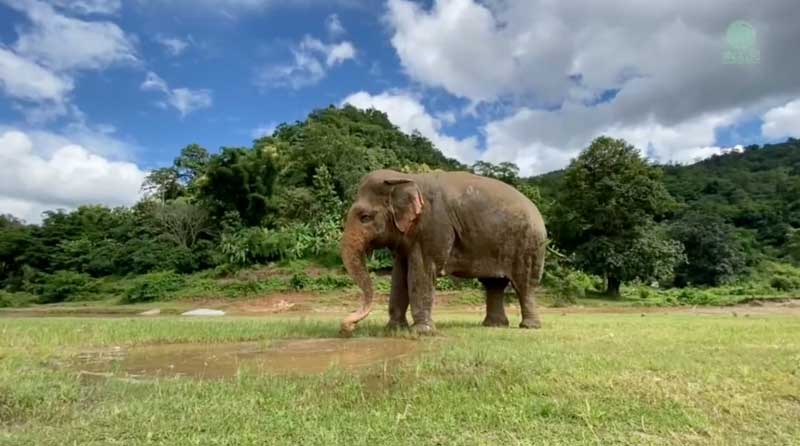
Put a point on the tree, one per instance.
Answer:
(506, 172)
(242, 180)
(606, 215)
(163, 184)
(191, 164)
(181, 222)
(714, 255)
(15, 241)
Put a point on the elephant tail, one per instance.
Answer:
(537, 266)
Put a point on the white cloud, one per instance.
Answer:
(409, 115)
(64, 43)
(23, 79)
(312, 60)
(32, 180)
(185, 100)
(782, 121)
(90, 6)
(233, 8)
(546, 65)
(173, 45)
(454, 46)
(540, 52)
(39, 68)
(339, 53)
(334, 26)
(540, 141)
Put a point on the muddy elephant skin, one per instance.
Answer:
(444, 223)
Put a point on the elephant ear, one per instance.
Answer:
(405, 202)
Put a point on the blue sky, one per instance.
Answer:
(93, 93)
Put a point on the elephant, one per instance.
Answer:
(444, 223)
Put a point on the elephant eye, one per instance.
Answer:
(366, 218)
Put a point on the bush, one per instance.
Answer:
(331, 282)
(11, 300)
(250, 246)
(63, 286)
(299, 281)
(154, 286)
(693, 296)
(240, 289)
(785, 283)
(302, 281)
(569, 284)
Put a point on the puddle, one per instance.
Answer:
(225, 360)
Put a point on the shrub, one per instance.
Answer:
(380, 259)
(63, 286)
(693, 296)
(249, 246)
(785, 283)
(299, 281)
(154, 286)
(240, 289)
(331, 282)
(11, 300)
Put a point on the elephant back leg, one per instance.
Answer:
(495, 309)
(525, 279)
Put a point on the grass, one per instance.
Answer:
(663, 379)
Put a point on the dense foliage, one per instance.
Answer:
(606, 215)
(734, 211)
(610, 213)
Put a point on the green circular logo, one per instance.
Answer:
(740, 35)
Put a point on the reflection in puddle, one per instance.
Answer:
(225, 360)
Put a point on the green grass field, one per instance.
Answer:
(660, 379)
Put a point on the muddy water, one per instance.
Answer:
(227, 360)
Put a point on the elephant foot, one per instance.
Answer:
(393, 326)
(530, 323)
(423, 329)
(493, 321)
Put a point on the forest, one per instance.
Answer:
(618, 224)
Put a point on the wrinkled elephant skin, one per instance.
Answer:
(444, 223)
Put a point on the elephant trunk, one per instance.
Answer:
(354, 256)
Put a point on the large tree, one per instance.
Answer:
(606, 215)
(240, 180)
(714, 254)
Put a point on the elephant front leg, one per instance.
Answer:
(398, 299)
(421, 276)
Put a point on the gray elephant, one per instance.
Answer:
(443, 223)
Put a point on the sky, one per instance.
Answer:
(94, 93)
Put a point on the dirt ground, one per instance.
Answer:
(314, 303)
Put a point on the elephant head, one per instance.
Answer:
(387, 207)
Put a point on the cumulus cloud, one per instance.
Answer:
(185, 100)
(64, 43)
(553, 65)
(33, 180)
(312, 59)
(38, 69)
(540, 141)
(409, 115)
(782, 121)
